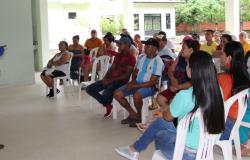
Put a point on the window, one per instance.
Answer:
(152, 23)
(168, 21)
(72, 15)
(136, 22)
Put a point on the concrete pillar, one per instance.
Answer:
(95, 17)
(40, 33)
(129, 15)
(232, 16)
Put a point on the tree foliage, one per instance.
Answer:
(196, 11)
(244, 10)
(112, 24)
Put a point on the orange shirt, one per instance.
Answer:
(93, 43)
(226, 83)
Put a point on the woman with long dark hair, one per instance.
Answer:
(234, 80)
(204, 94)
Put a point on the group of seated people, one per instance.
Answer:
(192, 83)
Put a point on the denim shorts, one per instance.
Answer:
(144, 92)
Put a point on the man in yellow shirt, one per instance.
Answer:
(209, 46)
(244, 41)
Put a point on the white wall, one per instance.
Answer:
(17, 64)
(156, 8)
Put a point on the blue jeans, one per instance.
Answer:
(108, 91)
(228, 128)
(164, 135)
(144, 92)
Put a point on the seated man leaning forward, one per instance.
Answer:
(56, 67)
(147, 71)
(117, 76)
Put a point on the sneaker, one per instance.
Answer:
(51, 93)
(126, 121)
(127, 153)
(58, 91)
(108, 111)
(133, 122)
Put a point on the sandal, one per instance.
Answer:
(142, 127)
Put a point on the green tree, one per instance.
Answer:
(244, 10)
(195, 11)
(112, 24)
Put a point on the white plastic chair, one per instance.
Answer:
(92, 55)
(144, 111)
(226, 145)
(66, 80)
(206, 140)
(104, 66)
(246, 124)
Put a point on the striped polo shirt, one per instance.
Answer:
(148, 67)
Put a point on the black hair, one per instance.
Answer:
(128, 36)
(238, 68)
(194, 44)
(209, 30)
(247, 56)
(109, 33)
(65, 43)
(109, 36)
(137, 35)
(206, 91)
(163, 33)
(77, 37)
(228, 37)
(195, 36)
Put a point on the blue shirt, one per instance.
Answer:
(182, 104)
(148, 67)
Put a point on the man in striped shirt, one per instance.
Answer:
(148, 70)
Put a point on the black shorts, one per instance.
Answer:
(55, 74)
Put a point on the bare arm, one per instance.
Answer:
(63, 60)
(152, 82)
(184, 86)
(166, 113)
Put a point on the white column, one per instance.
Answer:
(129, 15)
(141, 25)
(232, 16)
(95, 17)
(41, 32)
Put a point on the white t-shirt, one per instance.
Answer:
(170, 45)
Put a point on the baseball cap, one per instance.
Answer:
(152, 42)
(123, 39)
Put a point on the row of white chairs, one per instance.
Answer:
(208, 141)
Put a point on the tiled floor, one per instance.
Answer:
(36, 128)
